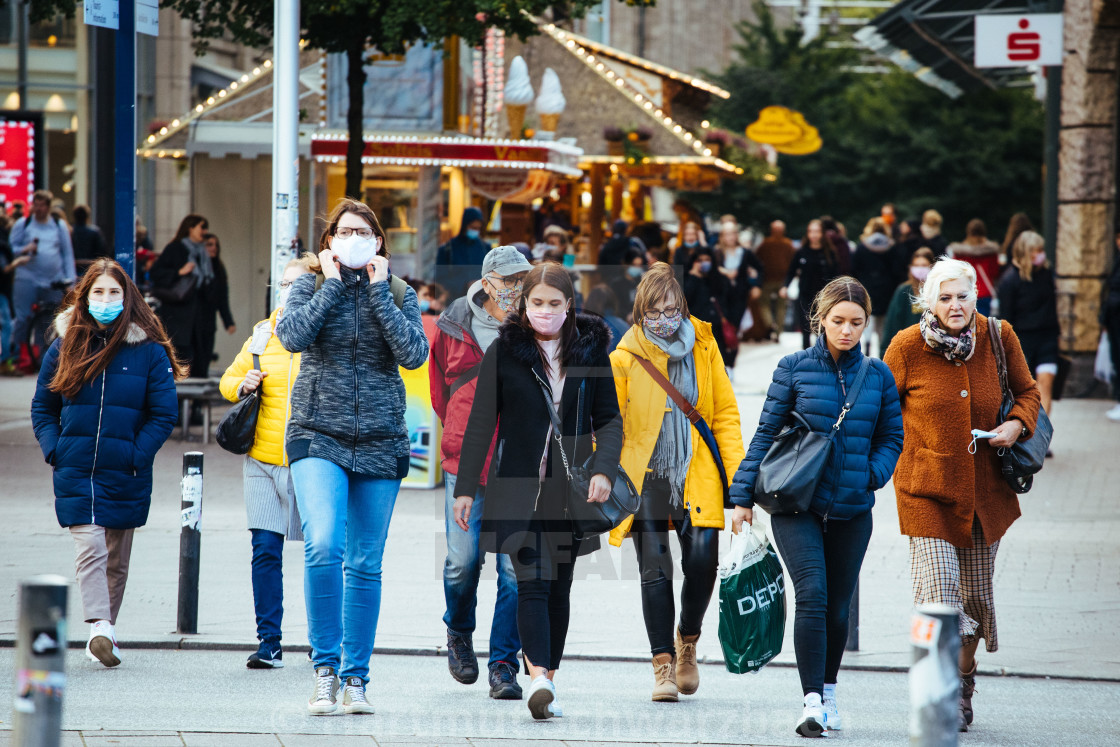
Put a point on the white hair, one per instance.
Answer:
(943, 271)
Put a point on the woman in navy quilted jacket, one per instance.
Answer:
(823, 547)
(104, 404)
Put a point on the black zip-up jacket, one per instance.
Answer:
(815, 268)
(1031, 306)
(348, 401)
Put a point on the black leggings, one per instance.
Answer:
(699, 560)
(544, 567)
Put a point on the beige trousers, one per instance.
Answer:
(102, 557)
(773, 306)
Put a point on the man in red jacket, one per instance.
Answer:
(465, 330)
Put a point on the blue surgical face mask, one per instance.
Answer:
(473, 234)
(635, 272)
(106, 311)
(705, 267)
(425, 306)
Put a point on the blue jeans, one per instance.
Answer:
(823, 564)
(461, 572)
(345, 523)
(268, 583)
(5, 329)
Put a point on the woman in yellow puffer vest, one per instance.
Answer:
(673, 468)
(269, 498)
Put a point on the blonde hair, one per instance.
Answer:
(838, 290)
(875, 225)
(659, 282)
(932, 218)
(308, 261)
(945, 270)
(1023, 251)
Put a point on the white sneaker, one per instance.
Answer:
(102, 645)
(324, 698)
(554, 706)
(832, 721)
(541, 694)
(812, 717)
(354, 697)
(1113, 414)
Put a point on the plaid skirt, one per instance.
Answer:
(958, 577)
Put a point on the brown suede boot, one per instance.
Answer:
(968, 687)
(664, 679)
(688, 676)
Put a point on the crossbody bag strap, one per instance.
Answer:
(853, 395)
(555, 417)
(679, 400)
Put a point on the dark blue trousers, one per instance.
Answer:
(268, 583)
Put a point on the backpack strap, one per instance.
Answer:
(397, 288)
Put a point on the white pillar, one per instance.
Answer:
(285, 138)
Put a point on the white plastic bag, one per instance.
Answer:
(1102, 367)
(793, 290)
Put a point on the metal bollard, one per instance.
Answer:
(190, 542)
(935, 685)
(40, 662)
(853, 622)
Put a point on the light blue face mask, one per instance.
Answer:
(425, 306)
(473, 234)
(106, 311)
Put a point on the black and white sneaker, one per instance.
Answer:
(268, 656)
(812, 717)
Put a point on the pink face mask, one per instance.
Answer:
(1039, 259)
(920, 273)
(547, 323)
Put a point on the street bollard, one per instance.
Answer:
(40, 662)
(190, 542)
(853, 621)
(935, 685)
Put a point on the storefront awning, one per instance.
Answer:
(933, 40)
(458, 152)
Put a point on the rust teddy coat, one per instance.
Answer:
(939, 485)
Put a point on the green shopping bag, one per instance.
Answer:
(752, 602)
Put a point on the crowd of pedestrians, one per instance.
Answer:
(535, 395)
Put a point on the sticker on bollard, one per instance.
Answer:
(934, 680)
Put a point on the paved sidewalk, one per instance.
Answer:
(1057, 578)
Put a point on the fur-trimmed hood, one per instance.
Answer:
(592, 338)
(135, 336)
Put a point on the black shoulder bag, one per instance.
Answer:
(792, 468)
(1021, 462)
(238, 427)
(589, 518)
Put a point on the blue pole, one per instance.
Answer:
(124, 141)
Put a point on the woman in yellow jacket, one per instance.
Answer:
(269, 498)
(674, 468)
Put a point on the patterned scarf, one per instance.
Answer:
(938, 338)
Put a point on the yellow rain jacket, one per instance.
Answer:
(643, 404)
(276, 402)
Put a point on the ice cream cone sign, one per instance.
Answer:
(518, 96)
(786, 130)
(550, 104)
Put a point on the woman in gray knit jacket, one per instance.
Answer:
(347, 440)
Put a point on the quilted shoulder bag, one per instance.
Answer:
(1021, 462)
(238, 427)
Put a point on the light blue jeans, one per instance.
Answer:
(461, 572)
(345, 520)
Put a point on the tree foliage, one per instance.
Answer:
(887, 138)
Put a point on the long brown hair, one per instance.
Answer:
(1018, 223)
(81, 358)
(555, 276)
(360, 209)
(188, 223)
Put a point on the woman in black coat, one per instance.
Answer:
(180, 259)
(545, 356)
(706, 291)
(814, 264)
(213, 298)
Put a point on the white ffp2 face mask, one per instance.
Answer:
(354, 251)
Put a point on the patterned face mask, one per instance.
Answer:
(506, 298)
(664, 326)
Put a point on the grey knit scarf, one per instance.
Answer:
(673, 450)
(203, 269)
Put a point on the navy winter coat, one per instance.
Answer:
(102, 442)
(865, 450)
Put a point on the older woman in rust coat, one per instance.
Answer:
(955, 505)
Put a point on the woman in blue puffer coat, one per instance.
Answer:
(104, 404)
(823, 547)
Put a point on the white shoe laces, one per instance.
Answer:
(323, 687)
(357, 694)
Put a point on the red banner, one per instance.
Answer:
(17, 161)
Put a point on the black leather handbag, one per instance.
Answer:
(1024, 460)
(589, 518)
(238, 427)
(792, 468)
(181, 291)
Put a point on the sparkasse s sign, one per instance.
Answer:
(1018, 40)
